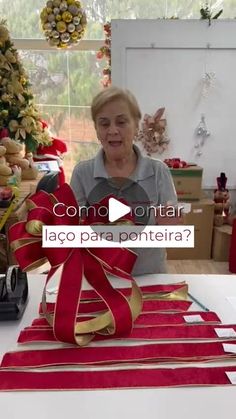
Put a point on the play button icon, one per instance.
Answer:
(125, 198)
(117, 209)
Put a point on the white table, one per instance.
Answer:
(168, 403)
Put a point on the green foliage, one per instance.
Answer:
(207, 13)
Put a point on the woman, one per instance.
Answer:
(116, 115)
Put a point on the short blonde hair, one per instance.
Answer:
(112, 93)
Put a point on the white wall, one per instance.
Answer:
(163, 62)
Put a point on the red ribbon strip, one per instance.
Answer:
(125, 378)
(148, 306)
(146, 289)
(157, 319)
(158, 333)
(26, 240)
(164, 352)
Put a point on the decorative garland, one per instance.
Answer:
(105, 52)
(63, 22)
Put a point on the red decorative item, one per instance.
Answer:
(54, 151)
(18, 380)
(232, 252)
(176, 163)
(222, 201)
(4, 133)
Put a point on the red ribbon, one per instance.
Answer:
(26, 241)
(124, 378)
(102, 355)
(143, 332)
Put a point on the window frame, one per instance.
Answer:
(42, 45)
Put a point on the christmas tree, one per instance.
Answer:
(19, 118)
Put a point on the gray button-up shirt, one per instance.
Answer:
(151, 174)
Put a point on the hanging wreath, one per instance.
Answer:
(105, 52)
(63, 22)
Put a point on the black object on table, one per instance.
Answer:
(13, 293)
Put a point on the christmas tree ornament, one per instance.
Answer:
(202, 134)
(68, 18)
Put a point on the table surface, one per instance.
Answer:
(168, 403)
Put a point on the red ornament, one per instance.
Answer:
(4, 132)
(176, 163)
(53, 151)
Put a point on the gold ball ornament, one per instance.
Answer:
(56, 11)
(56, 3)
(44, 15)
(71, 27)
(67, 17)
(55, 34)
(48, 34)
(61, 27)
(65, 37)
(76, 20)
(51, 17)
(4, 113)
(63, 22)
(63, 6)
(74, 36)
(47, 26)
(62, 45)
(54, 42)
(74, 10)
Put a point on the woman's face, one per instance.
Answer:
(116, 128)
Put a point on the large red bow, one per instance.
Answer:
(26, 241)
